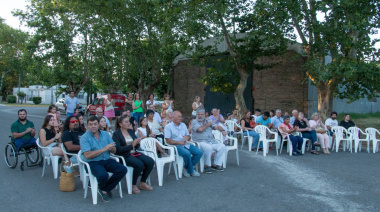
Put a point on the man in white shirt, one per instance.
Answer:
(331, 122)
(294, 117)
(70, 104)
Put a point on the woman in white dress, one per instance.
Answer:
(197, 103)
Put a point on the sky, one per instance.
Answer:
(7, 6)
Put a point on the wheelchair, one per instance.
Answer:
(31, 152)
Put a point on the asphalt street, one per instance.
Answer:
(341, 181)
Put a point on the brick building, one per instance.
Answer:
(283, 86)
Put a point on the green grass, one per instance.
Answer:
(25, 105)
(363, 120)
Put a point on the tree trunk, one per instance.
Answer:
(239, 92)
(325, 100)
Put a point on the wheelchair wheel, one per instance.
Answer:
(33, 155)
(11, 157)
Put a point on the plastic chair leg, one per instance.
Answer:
(55, 165)
(225, 159)
(265, 146)
(160, 173)
(44, 166)
(128, 178)
(237, 157)
(250, 142)
(94, 190)
(175, 171)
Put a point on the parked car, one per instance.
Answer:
(100, 102)
(59, 105)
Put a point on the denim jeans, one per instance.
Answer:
(312, 135)
(69, 114)
(255, 136)
(190, 156)
(19, 142)
(137, 117)
(296, 141)
(100, 170)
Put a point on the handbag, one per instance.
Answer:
(320, 130)
(67, 181)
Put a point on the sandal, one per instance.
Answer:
(146, 187)
(314, 152)
(316, 144)
(135, 190)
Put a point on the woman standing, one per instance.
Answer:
(53, 112)
(244, 122)
(51, 138)
(197, 103)
(167, 104)
(317, 124)
(109, 110)
(297, 141)
(128, 103)
(151, 101)
(137, 106)
(126, 143)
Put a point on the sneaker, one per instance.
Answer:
(219, 168)
(195, 174)
(110, 195)
(295, 154)
(185, 173)
(208, 170)
(104, 196)
(299, 152)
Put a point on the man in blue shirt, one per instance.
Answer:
(70, 104)
(176, 133)
(96, 146)
(264, 120)
(277, 120)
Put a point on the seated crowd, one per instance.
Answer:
(97, 140)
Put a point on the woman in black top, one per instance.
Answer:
(346, 122)
(244, 123)
(126, 141)
(302, 125)
(48, 137)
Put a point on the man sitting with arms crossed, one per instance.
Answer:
(23, 130)
(176, 133)
(96, 146)
(201, 129)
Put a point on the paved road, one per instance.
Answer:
(338, 182)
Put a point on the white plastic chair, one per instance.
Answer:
(372, 137)
(49, 157)
(262, 131)
(87, 176)
(178, 163)
(148, 145)
(339, 136)
(249, 138)
(75, 164)
(129, 175)
(231, 128)
(219, 137)
(355, 135)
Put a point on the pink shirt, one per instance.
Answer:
(288, 127)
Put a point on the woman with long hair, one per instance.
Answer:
(126, 142)
(166, 105)
(53, 112)
(302, 125)
(144, 132)
(103, 125)
(49, 137)
(197, 103)
(80, 118)
(244, 123)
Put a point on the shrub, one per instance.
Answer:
(11, 99)
(37, 100)
(21, 94)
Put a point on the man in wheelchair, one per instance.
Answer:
(23, 131)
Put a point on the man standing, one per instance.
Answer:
(331, 122)
(23, 130)
(71, 134)
(294, 117)
(99, 115)
(176, 133)
(96, 146)
(201, 129)
(277, 120)
(70, 104)
(264, 120)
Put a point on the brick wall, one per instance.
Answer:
(281, 86)
(186, 85)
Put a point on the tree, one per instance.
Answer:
(11, 47)
(249, 34)
(342, 34)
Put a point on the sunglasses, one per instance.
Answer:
(74, 121)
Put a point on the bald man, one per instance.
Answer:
(99, 114)
(176, 133)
